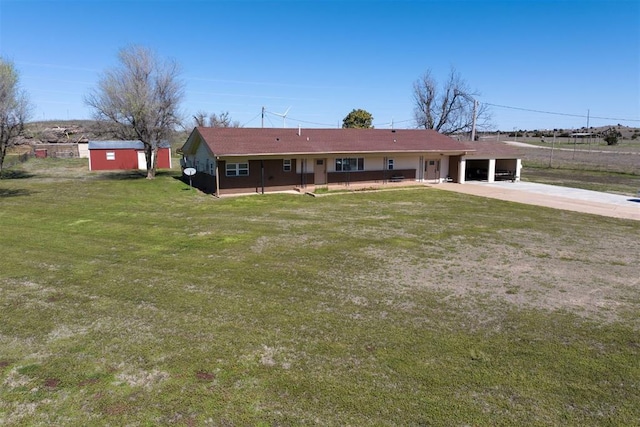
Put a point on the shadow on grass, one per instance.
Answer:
(15, 174)
(130, 174)
(5, 192)
(185, 180)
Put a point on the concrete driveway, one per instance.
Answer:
(552, 196)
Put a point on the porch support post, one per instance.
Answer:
(491, 172)
(217, 178)
(262, 175)
(462, 170)
(385, 166)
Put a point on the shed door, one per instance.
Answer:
(142, 161)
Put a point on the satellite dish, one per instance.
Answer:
(190, 172)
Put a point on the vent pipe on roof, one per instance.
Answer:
(299, 130)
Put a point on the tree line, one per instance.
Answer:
(141, 98)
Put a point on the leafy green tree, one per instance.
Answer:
(14, 107)
(141, 95)
(611, 136)
(360, 119)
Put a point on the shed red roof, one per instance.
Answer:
(272, 141)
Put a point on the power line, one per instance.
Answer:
(267, 117)
(312, 123)
(251, 120)
(331, 125)
(396, 122)
(560, 114)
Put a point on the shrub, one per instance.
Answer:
(611, 136)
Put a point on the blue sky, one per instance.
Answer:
(323, 59)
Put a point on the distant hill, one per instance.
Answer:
(73, 131)
(625, 132)
(65, 131)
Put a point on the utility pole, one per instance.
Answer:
(262, 117)
(553, 143)
(588, 130)
(473, 125)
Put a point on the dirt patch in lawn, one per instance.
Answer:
(597, 280)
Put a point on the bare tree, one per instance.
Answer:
(447, 109)
(200, 119)
(14, 108)
(223, 120)
(141, 96)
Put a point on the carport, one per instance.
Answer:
(490, 161)
(477, 170)
(506, 169)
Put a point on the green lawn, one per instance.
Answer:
(611, 182)
(125, 301)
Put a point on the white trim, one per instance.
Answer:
(342, 159)
(237, 169)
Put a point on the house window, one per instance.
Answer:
(350, 164)
(111, 155)
(390, 164)
(286, 165)
(237, 169)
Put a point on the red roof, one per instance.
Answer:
(272, 141)
(492, 150)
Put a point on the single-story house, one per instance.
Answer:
(125, 155)
(242, 160)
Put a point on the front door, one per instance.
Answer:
(432, 168)
(320, 172)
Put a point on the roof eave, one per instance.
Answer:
(329, 153)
